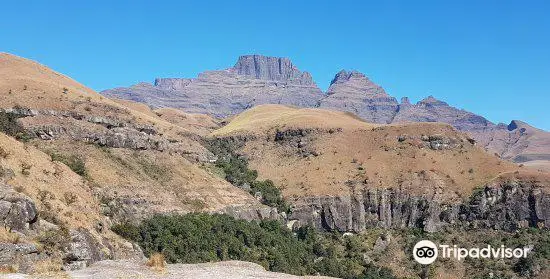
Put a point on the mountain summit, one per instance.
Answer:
(258, 79)
(271, 68)
(354, 92)
(254, 80)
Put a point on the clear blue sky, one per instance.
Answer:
(488, 57)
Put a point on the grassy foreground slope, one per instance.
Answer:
(87, 162)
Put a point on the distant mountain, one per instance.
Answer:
(257, 79)
(517, 141)
(354, 92)
(252, 81)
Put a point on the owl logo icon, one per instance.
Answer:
(425, 252)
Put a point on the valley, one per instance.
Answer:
(228, 165)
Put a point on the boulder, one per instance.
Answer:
(17, 211)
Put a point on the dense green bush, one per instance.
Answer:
(200, 237)
(74, 162)
(196, 238)
(236, 172)
(10, 126)
(271, 195)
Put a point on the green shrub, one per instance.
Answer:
(74, 162)
(200, 237)
(236, 172)
(127, 230)
(271, 195)
(11, 127)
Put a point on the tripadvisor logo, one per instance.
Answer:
(425, 252)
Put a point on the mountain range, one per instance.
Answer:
(257, 79)
(82, 174)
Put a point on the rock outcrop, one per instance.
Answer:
(271, 68)
(171, 83)
(506, 206)
(17, 211)
(138, 269)
(77, 247)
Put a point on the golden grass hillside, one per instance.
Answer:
(321, 152)
(28, 84)
(196, 123)
(130, 181)
(49, 184)
(265, 117)
(200, 124)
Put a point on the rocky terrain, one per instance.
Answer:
(76, 162)
(136, 269)
(420, 175)
(259, 79)
(517, 141)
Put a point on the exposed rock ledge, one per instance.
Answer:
(18, 214)
(506, 206)
(137, 269)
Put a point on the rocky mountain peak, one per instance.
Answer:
(518, 124)
(271, 68)
(354, 92)
(431, 100)
(344, 76)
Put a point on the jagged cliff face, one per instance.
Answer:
(354, 92)
(271, 68)
(252, 81)
(508, 205)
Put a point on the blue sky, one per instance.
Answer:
(488, 57)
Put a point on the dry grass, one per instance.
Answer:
(8, 269)
(264, 117)
(9, 236)
(53, 177)
(47, 266)
(360, 154)
(30, 85)
(200, 124)
(157, 262)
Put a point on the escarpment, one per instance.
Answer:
(507, 206)
(341, 174)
